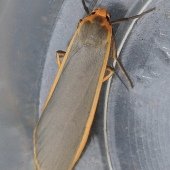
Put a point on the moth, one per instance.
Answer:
(64, 126)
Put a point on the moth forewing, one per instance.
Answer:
(64, 126)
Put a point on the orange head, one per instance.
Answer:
(101, 12)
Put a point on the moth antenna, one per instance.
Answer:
(119, 78)
(132, 17)
(124, 72)
(85, 7)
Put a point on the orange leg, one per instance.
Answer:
(109, 72)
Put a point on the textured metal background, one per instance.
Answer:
(137, 130)
(25, 30)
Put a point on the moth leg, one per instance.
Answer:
(132, 17)
(59, 57)
(85, 7)
(124, 72)
(114, 56)
(109, 72)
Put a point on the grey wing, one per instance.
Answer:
(62, 125)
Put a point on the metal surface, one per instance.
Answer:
(25, 29)
(137, 129)
(138, 120)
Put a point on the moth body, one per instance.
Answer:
(64, 126)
